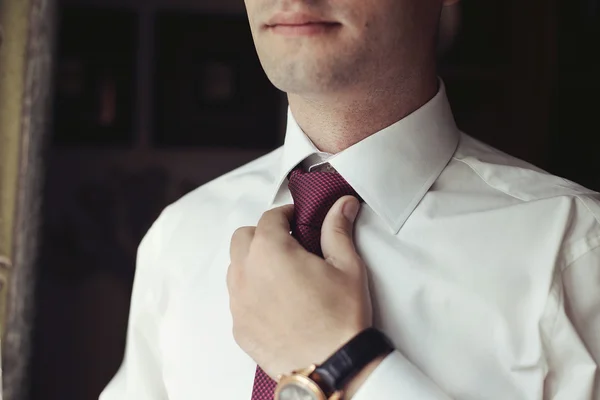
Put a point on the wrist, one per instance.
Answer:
(342, 374)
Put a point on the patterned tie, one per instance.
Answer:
(314, 193)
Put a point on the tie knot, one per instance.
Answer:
(314, 193)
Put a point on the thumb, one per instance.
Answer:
(337, 234)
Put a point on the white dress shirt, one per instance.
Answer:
(485, 272)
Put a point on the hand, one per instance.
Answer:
(290, 307)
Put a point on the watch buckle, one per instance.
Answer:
(304, 372)
(308, 370)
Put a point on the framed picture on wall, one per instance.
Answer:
(210, 90)
(95, 77)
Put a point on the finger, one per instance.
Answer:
(238, 250)
(276, 221)
(337, 234)
(240, 243)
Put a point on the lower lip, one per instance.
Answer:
(303, 30)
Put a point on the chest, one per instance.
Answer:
(447, 305)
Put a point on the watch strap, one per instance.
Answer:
(350, 359)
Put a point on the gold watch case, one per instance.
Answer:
(302, 378)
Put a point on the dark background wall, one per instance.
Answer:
(156, 97)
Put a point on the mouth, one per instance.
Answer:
(298, 24)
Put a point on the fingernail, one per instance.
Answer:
(350, 209)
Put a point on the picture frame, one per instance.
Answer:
(210, 89)
(95, 77)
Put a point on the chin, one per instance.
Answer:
(303, 77)
(301, 85)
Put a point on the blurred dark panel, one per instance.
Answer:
(210, 88)
(575, 124)
(95, 83)
(500, 73)
(482, 39)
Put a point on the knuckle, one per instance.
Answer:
(233, 277)
(229, 278)
(269, 212)
(236, 311)
(261, 233)
(349, 261)
(238, 232)
(241, 232)
(235, 331)
(261, 241)
(266, 217)
(288, 244)
(239, 335)
(341, 229)
(332, 260)
(265, 239)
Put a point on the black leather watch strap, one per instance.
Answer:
(350, 359)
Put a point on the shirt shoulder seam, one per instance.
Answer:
(486, 181)
(574, 194)
(581, 199)
(594, 243)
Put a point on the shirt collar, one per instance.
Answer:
(392, 169)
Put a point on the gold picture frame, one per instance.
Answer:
(25, 68)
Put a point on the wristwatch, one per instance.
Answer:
(326, 381)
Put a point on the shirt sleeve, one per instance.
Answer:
(573, 353)
(140, 374)
(397, 378)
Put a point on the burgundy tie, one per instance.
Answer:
(314, 193)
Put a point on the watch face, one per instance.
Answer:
(293, 391)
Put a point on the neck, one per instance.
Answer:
(334, 123)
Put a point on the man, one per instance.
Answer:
(467, 274)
